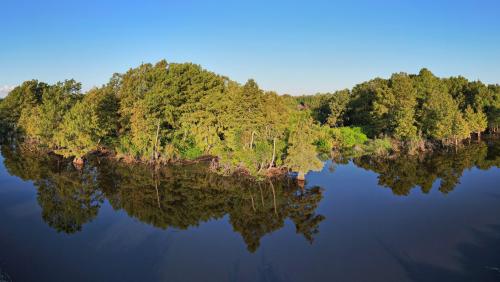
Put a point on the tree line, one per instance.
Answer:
(412, 107)
(168, 111)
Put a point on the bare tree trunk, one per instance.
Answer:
(274, 153)
(479, 136)
(251, 140)
(155, 148)
(261, 166)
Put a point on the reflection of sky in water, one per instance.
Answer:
(368, 234)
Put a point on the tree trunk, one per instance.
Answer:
(261, 166)
(479, 135)
(251, 140)
(274, 153)
(155, 148)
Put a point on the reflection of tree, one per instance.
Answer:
(403, 173)
(68, 198)
(168, 197)
(26, 164)
(181, 197)
(303, 212)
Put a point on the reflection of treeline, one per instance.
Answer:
(69, 198)
(404, 172)
(168, 197)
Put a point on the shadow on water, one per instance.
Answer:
(177, 197)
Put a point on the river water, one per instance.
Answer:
(434, 217)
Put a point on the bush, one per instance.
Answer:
(348, 137)
(191, 153)
(323, 146)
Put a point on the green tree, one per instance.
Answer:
(364, 112)
(338, 108)
(301, 153)
(403, 112)
(27, 95)
(41, 122)
(90, 123)
(460, 128)
(476, 121)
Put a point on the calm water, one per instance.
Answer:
(432, 218)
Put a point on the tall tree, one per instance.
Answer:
(301, 153)
(41, 122)
(338, 108)
(476, 120)
(403, 112)
(90, 123)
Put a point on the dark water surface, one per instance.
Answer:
(431, 218)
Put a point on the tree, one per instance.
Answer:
(90, 123)
(27, 95)
(476, 120)
(338, 107)
(364, 111)
(153, 101)
(41, 122)
(168, 111)
(402, 117)
(318, 105)
(301, 153)
(460, 128)
(438, 109)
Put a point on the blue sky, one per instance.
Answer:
(289, 46)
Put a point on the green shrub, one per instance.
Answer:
(323, 146)
(348, 137)
(191, 153)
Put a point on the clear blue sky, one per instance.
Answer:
(289, 46)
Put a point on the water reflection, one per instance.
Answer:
(173, 197)
(181, 197)
(403, 173)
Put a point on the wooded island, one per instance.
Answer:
(168, 112)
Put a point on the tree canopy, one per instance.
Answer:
(169, 111)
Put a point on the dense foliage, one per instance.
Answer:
(167, 111)
(412, 108)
